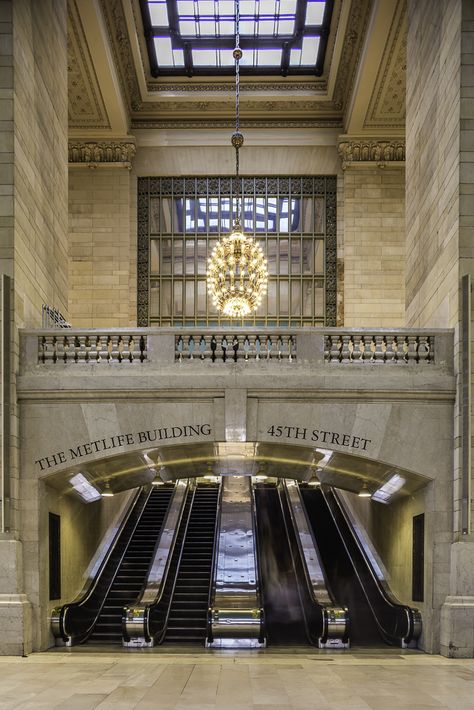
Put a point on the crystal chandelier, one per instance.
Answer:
(237, 269)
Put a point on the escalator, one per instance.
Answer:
(284, 613)
(375, 614)
(96, 615)
(187, 617)
(132, 572)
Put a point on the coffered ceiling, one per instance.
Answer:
(112, 93)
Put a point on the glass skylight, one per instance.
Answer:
(196, 37)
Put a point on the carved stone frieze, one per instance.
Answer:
(101, 153)
(86, 106)
(371, 151)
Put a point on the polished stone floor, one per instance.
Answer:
(260, 680)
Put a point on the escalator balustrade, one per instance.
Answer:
(374, 612)
(132, 572)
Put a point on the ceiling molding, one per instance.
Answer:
(86, 106)
(387, 103)
(151, 103)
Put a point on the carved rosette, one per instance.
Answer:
(106, 153)
(366, 151)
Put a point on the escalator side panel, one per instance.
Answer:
(339, 569)
(284, 616)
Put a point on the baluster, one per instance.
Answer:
(280, 347)
(213, 346)
(191, 347)
(350, 347)
(95, 355)
(87, 348)
(416, 347)
(383, 348)
(143, 348)
(246, 347)
(429, 348)
(290, 348)
(202, 347)
(406, 348)
(361, 348)
(77, 347)
(258, 347)
(373, 348)
(395, 348)
(131, 348)
(179, 348)
(120, 348)
(269, 348)
(328, 348)
(224, 346)
(340, 347)
(110, 348)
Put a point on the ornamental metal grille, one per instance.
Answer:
(180, 220)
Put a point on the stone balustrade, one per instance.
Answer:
(379, 348)
(185, 346)
(76, 347)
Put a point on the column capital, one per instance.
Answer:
(356, 151)
(94, 154)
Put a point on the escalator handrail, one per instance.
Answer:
(149, 635)
(212, 586)
(258, 585)
(150, 595)
(329, 600)
(60, 614)
(142, 607)
(412, 614)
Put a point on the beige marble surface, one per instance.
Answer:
(264, 680)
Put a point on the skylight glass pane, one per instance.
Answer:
(226, 27)
(226, 7)
(158, 13)
(266, 27)
(207, 28)
(309, 51)
(185, 7)
(295, 57)
(268, 57)
(206, 7)
(267, 7)
(286, 27)
(226, 58)
(248, 7)
(164, 51)
(287, 7)
(247, 27)
(187, 27)
(178, 56)
(205, 57)
(315, 12)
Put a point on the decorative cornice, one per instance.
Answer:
(105, 153)
(369, 152)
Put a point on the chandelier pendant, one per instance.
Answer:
(237, 273)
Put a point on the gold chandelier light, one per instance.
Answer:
(237, 269)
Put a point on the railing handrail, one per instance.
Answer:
(254, 330)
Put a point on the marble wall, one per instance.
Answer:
(102, 263)
(374, 246)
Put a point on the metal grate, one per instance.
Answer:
(181, 219)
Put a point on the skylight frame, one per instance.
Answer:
(284, 42)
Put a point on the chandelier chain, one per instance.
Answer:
(237, 55)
